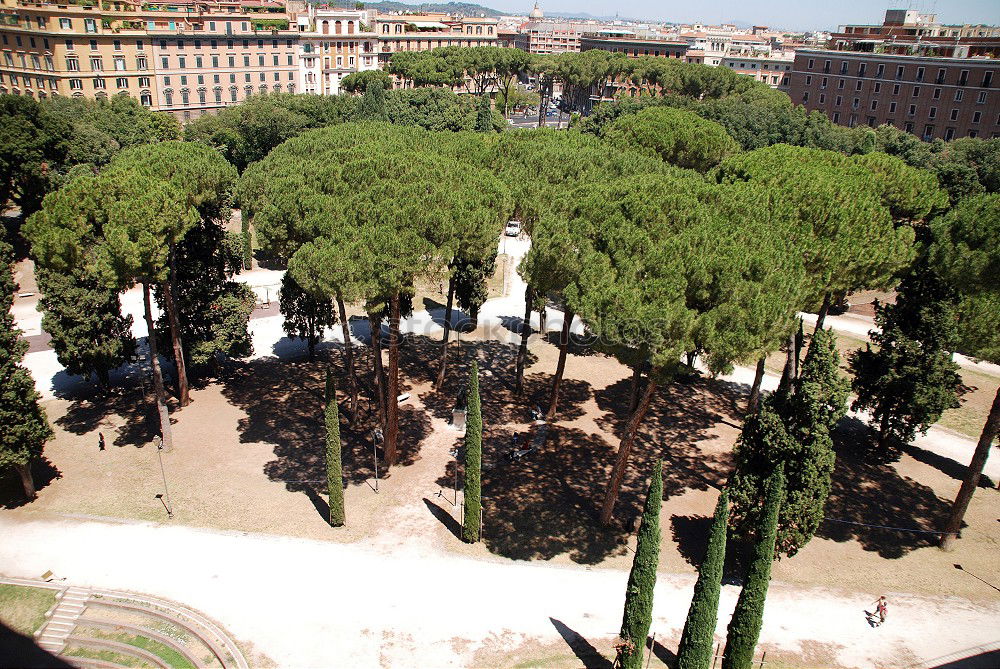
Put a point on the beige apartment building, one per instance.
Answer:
(183, 56)
(422, 32)
(333, 43)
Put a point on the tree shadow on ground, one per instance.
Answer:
(955, 470)
(444, 518)
(690, 534)
(680, 416)
(664, 655)
(12, 491)
(127, 414)
(546, 504)
(867, 497)
(589, 656)
(578, 345)
(283, 401)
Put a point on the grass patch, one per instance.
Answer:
(165, 653)
(105, 656)
(23, 609)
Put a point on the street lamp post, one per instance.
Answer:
(158, 442)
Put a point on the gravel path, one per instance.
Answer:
(318, 604)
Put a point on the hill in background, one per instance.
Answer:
(454, 8)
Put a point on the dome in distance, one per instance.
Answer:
(536, 13)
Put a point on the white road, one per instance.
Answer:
(318, 604)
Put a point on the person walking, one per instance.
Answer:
(100, 441)
(877, 617)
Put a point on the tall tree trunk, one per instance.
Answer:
(990, 431)
(542, 316)
(443, 368)
(624, 449)
(392, 413)
(543, 102)
(27, 481)
(375, 325)
(788, 373)
(473, 317)
(824, 309)
(170, 307)
(754, 400)
(522, 350)
(154, 361)
(800, 341)
(352, 379)
(633, 396)
(691, 355)
(561, 365)
(883, 430)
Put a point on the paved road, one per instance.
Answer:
(318, 604)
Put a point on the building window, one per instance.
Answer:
(180, 44)
(836, 117)
(184, 80)
(166, 81)
(140, 63)
(949, 134)
(809, 79)
(810, 65)
(843, 67)
(937, 93)
(912, 110)
(861, 69)
(857, 85)
(90, 25)
(822, 98)
(246, 61)
(805, 96)
(145, 99)
(954, 114)
(940, 76)
(143, 82)
(920, 74)
(201, 95)
(121, 82)
(973, 134)
(892, 107)
(916, 91)
(840, 100)
(874, 105)
(232, 93)
(76, 84)
(932, 112)
(168, 98)
(99, 83)
(963, 78)
(908, 126)
(260, 61)
(840, 85)
(987, 79)
(215, 61)
(181, 62)
(65, 24)
(165, 62)
(198, 61)
(928, 132)
(977, 117)
(879, 71)
(119, 62)
(218, 95)
(232, 61)
(895, 89)
(185, 97)
(96, 65)
(982, 98)
(72, 64)
(877, 87)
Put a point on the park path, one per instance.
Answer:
(321, 604)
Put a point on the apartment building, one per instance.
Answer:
(930, 97)
(773, 69)
(182, 56)
(634, 47)
(333, 43)
(413, 32)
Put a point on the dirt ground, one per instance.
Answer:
(249, 457)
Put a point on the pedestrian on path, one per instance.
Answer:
(100, 441)
(877, 617)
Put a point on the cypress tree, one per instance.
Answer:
(911, 379)
(638, 614)
(24, 428)
(695, 650)
(484, 115)
(473, 460)
(744, 627)
(792, 429)
(334, 471)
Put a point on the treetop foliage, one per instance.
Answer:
(679, 137)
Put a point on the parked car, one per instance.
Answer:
(513, 229)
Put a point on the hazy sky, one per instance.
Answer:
(793, 14)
